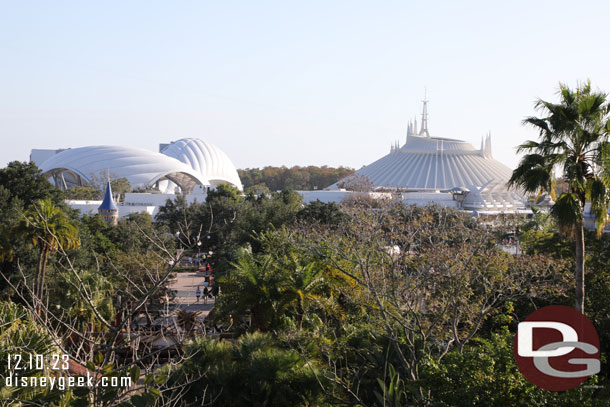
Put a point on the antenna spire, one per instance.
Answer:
(424, 116)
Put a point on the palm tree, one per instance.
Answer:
(574, 140)
(49, 229)
(187, 320)
(304, 288)
(253, 288)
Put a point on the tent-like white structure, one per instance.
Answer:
(142, 168)
(426, 164)
(205, 158)
(185, 164)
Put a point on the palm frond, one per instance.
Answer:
(600, 199)
(532, 174)
(567, 210)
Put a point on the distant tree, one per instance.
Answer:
(298, 178)
(25, 182)
(120, 185)
(224, 191)
(324, 212)
(573, 139)
(265, 212)
(357, 183)
(85, 193)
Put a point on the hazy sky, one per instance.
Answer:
(287, 82)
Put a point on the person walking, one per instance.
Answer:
(198, 293)
(205, 295)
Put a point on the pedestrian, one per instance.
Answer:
(198, 293)
(205, 295)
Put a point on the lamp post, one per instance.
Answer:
(198, 254)
(179, 249)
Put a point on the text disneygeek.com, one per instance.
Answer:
(58, 363)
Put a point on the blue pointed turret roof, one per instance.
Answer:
(108, 202)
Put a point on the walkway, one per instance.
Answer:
(185, 285)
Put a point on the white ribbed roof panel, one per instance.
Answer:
(205, 158)
(429, 163)
(142, 168)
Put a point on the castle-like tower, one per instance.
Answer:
(108, 209)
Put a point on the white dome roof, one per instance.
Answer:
(142, 168)
(206, 159)
(436, 163)
(427, 163)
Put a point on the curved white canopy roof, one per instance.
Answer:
(206, 159)
(142, 168)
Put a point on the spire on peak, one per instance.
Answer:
(486, 145)
(108, 210)
(409, 128)
(424, 117)
(108, 202)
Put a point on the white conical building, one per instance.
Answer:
(427, 164)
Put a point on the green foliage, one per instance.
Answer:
(297, 178)
(265, 213)
(120, 185)
(325, 213)
(254, 371)
(573, 137)
(226, 221)
(20, 335)
(49, 229)
(393, 394)
(21, 185)
(130, 233)
(485, 374)
(24, 182)
(567, 210)
(252, 289)
(83, 193)
(63, 289)
(224, 193)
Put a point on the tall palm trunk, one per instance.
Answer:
(579, 237)
(300, 315)
(40, 276)
(255, 322)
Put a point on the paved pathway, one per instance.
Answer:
(185, 285)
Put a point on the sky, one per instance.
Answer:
(286, 82)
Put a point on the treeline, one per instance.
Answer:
(297, 178)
